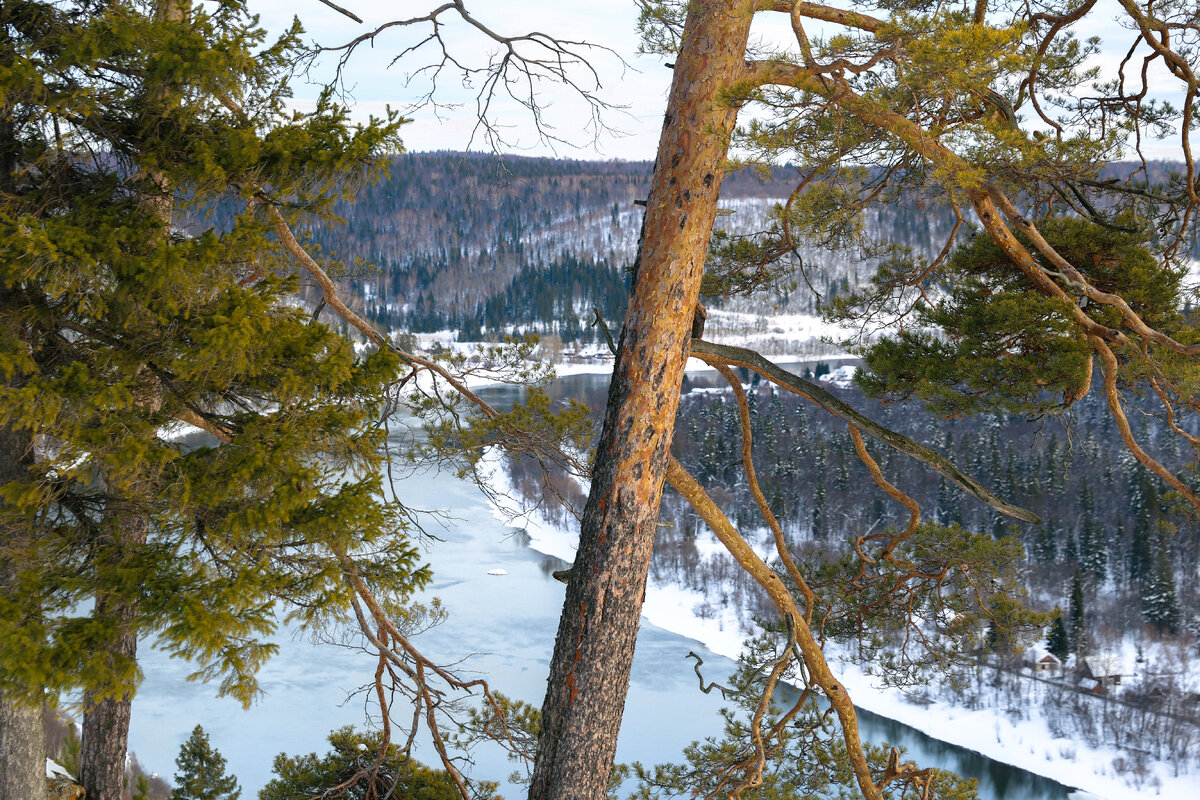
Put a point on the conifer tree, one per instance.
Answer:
(1045, 546)
(1058, 642)
(1160, 602)
(1078, 627)
(115, 326)
(1093, 551)
(201, 774)
(1058, 287)
(350, 764)
(1141, 557)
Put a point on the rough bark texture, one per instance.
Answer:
(22, 729)
(22, 751)
(589, 672)
(106, 720)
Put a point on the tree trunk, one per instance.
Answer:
(106, 720)
(22, 724)
(22, 750)
(589, 672)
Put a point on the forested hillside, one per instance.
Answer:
(484, 245)
(1114, 555)
(473, 243)
(1103, 513)
(454, 240)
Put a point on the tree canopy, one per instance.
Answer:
(1055, 274)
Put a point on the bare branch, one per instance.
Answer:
(518, 70)
(342, 11)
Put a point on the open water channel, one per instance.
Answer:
(504, 626)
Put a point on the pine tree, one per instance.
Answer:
(201, 774)
(1058, 642)
(1160, 601)
(1078, 627)
(1039, 303)
(347, 768)
(116, 326)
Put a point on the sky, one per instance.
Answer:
(632, 86)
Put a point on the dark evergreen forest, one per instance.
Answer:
(1105, 515)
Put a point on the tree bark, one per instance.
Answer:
(106, 719)
(589, 672)
(22, 750)
(22, 725)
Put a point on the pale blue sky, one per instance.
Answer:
(635, 85)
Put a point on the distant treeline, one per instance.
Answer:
(445, 240)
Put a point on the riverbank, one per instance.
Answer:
(1024, 742)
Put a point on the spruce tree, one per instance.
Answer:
(1141, 557)
(1078, 626)
(1093, 551)
(1058, 642)
(201, 774)
(1045, 547)
(1160, 602)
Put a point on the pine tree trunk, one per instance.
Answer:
(22, 750)
(106, 720)
(22, 726)
(589, 672)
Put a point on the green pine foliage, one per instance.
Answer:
(805, 758)
(114, 326)
(356, 769)
(201, 774)
(962, 582)
(1000, 344)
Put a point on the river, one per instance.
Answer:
(504, 626)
